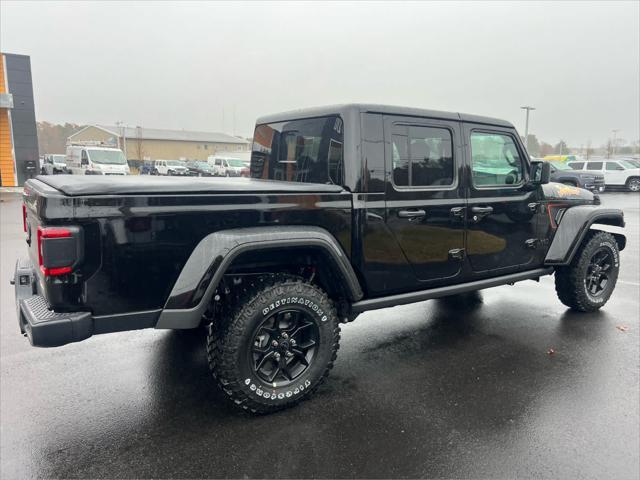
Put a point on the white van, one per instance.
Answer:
(228, 166)
(96, 160)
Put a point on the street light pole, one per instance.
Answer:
(526, 126)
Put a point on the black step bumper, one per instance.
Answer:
(43, 326)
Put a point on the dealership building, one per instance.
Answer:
(152, 144)
(18, 135)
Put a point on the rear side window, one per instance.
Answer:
(308, 150)
(594, 165)
(577, 165)
(422, 156)
(495, 160)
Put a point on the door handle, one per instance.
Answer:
(412, 214)
(458, 212)
(482, 210)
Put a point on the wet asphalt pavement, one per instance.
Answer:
(462, 388)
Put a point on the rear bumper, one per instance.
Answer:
(41, 325)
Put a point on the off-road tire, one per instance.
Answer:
(571, 281)
(633, 184)
(230, 339)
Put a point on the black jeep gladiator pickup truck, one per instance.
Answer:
(348, 208)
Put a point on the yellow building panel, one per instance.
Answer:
(3, 87)
(7, 168)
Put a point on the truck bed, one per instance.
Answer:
(88, 185)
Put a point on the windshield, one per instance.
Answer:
(307, 150)
(58, 159)
(560, 166)
(627, 164)
(110, 157)
(235, 163)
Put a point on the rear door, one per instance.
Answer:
(501, 216)
(425, 195)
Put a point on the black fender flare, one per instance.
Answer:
(203, 271)
(575, 225)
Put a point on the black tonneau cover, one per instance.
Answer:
(83, 185)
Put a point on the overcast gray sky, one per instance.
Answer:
(171, 65)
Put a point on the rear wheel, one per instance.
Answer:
(276, 346)
(588, 282)
(633, 184)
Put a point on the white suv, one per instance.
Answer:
(617, 173)
(169, 167)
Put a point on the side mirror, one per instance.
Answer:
(540, 173)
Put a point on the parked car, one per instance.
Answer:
(563, 173)
(169, 167)
(229, 167)
(200, 169)
(367, 207)
(53, 164)
(617, 173)
(96, 160)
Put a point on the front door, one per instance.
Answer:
(501, 211)
(615, 174)
(425, 195)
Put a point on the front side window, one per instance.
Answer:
(611, 166)
(422, 156)
(594, 165)
(495, 160)
(308, 150)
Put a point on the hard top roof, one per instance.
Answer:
(344, 109)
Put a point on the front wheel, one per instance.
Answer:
(633, 184)
(276, 346)
(587, 283)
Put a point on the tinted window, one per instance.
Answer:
(495, 160)
(594, 165)
(577, 165)
(309, 151)
(614, 166)
(422, 156)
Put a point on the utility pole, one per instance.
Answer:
(122, 141)
(526, 126)
(613, 147)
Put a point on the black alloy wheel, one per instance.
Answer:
(284, 346)
(597, 274)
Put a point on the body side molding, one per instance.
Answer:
(210, 259)
(574, 226)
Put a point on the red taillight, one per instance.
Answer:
(51, 232)
(24, 217)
